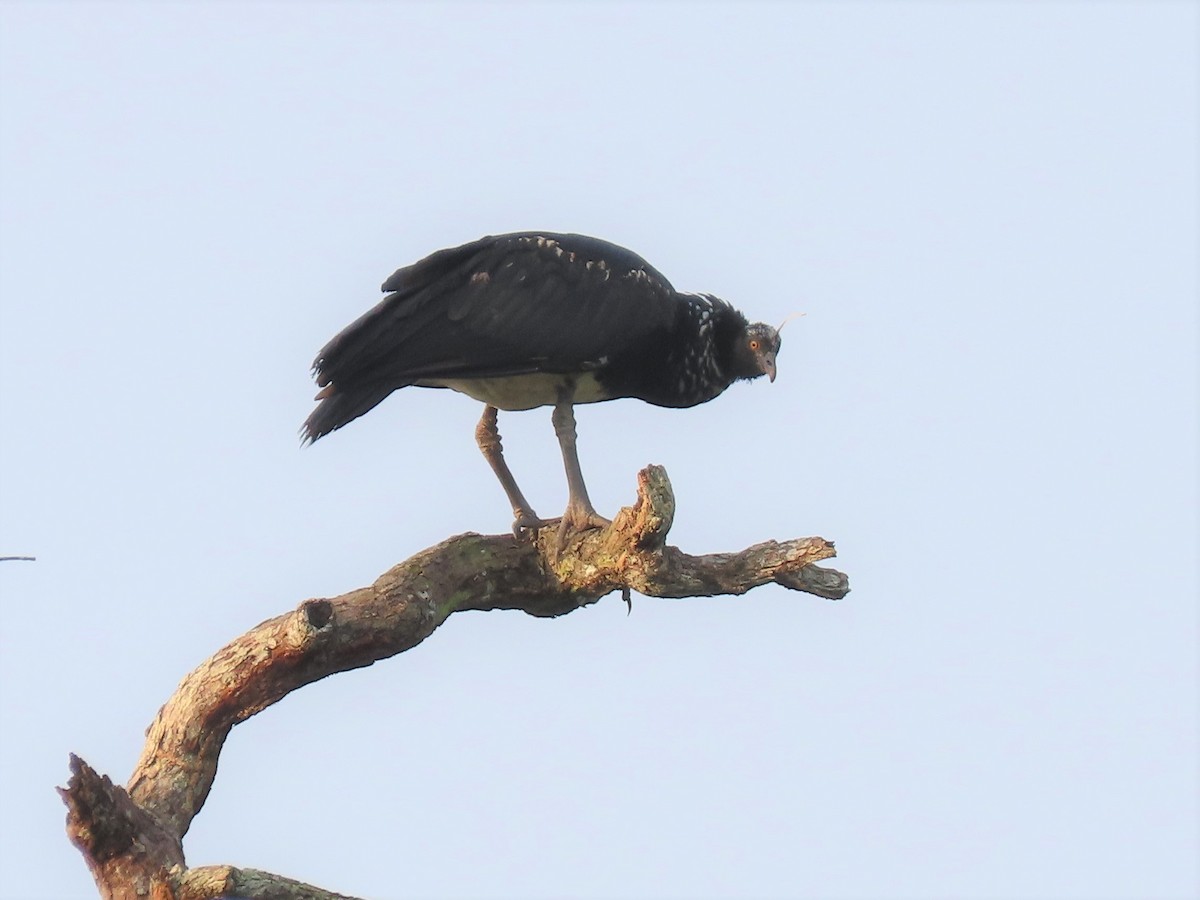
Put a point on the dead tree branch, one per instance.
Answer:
(131, 838)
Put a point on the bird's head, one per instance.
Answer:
(755, 352)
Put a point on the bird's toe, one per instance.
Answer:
(527, 523)
(592, 520)
(577, 519)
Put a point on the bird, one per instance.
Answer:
(531, 319)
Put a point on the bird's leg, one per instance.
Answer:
(487, 435)
(580, 513)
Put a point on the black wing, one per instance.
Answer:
(508, 305)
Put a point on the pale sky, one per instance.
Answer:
(988, 214)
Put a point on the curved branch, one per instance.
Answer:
(322, 636)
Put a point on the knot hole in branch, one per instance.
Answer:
(317, 612)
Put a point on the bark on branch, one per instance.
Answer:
(131, 838)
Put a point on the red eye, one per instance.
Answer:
(754, 345)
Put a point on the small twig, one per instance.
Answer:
(216, 882)
(26, 558)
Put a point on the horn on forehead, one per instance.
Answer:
(795, 315)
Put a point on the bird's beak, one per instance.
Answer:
(768, 365)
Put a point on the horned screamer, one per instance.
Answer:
(534, 319)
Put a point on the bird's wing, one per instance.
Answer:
(502, 306)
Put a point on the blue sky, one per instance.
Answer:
(988, 213)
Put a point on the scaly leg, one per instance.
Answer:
(487, 435)
(580, 513)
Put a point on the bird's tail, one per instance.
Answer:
(337, 408)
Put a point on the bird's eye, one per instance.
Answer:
(754, 345)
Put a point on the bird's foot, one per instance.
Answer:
(527, 522)
(578, 518)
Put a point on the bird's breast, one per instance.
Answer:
(517, 392)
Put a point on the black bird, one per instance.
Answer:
(538, 319)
